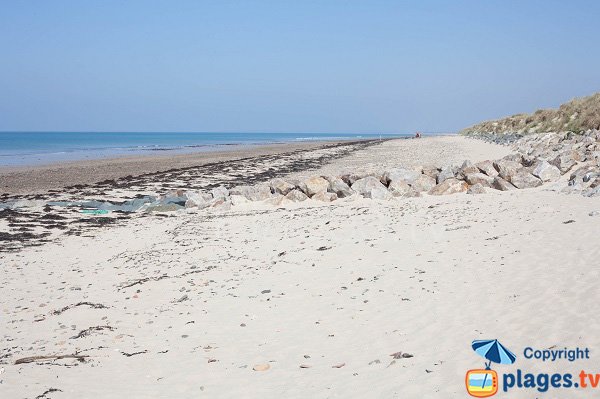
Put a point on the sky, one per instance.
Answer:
(290, 66)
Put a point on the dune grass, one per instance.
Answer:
(577, 115)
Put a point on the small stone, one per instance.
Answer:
(338, 366)
(261, 367)
(594, 213)
(305, 366)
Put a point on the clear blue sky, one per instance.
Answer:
(297, 66)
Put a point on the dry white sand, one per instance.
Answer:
(199, 299)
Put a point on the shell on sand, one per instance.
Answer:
(261, 367)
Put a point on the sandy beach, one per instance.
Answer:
(350, 299)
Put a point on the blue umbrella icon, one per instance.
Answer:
(493, 351)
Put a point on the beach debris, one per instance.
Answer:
(94, 211)
(569, 221)
(401, 355)
(183, 298)
(46, 392)
(84, 303)
(133, 353)
(90, 330)
(33, 359)
(338, 366)
(305, 366)
(594, 213)
(261, 367)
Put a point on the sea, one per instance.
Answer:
(35, 148)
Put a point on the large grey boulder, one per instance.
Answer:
(476, 189)
(278, 200)
(449, 186)
(399, 188)
(349, 179)
(197, 199)
(219, 192)
(371, 187)
(324, 196)
(280, 186)
(546, 172)
(341, 189)
(431, 171)
(314, 185)
(502, 185)
(523, 179)
(584, 176)
(564, 162)
(258, 192)
(407, 175)
(467, 168)
(479, 178)
(487, 167)
(447, 172)
(423, 183)
(507, 168)
(237, 200)
(296, 196)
